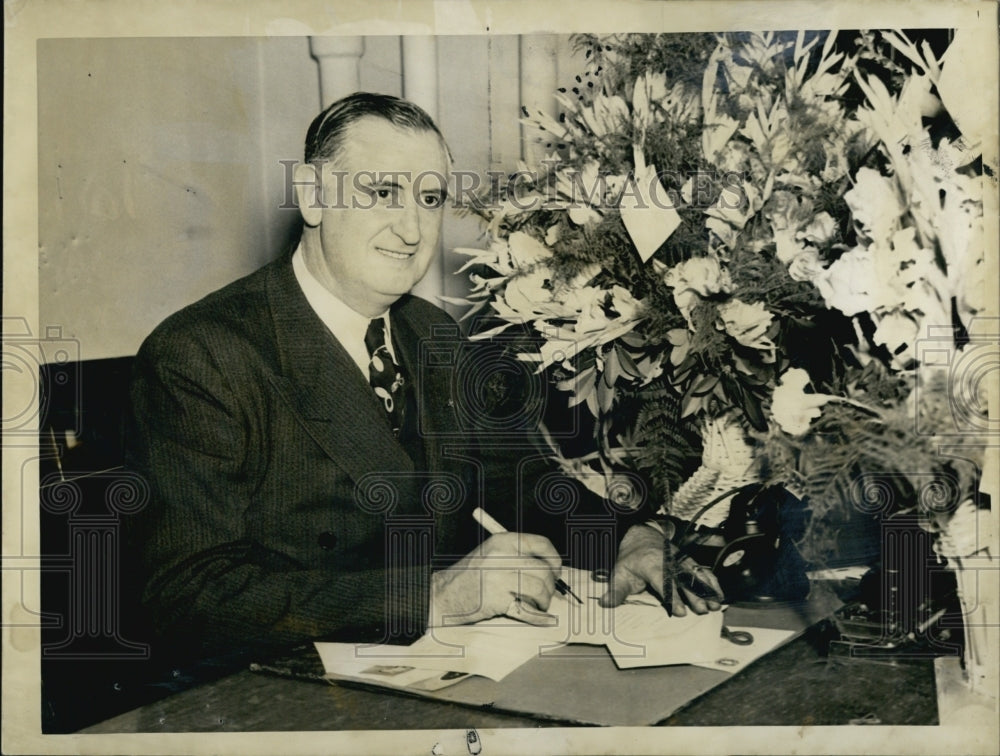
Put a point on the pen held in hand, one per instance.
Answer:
(493, 527)
(669, 574)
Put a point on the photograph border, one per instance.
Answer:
(27, 22)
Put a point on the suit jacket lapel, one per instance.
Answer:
(432, 383)
(323, 386)
(406, 345)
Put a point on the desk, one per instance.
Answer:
(794, 685)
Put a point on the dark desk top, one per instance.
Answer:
(794, 685)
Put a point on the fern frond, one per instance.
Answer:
(667, 447)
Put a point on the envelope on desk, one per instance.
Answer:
(492, 652)
(341, 661)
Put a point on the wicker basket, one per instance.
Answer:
(726, 464)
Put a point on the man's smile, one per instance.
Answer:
(395, 254)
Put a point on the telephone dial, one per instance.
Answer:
(752, 554)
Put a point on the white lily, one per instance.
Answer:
(849, 284)
(606, 115)
(875, 203)
(718, 128)
(791, 407)
(525, 250)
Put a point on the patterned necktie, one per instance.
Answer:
(385, 375)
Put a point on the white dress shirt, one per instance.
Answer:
(347, 326)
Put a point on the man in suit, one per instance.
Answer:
(282, 459)
(309, 475)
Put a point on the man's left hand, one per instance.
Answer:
(640, 564)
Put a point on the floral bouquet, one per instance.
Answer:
(737, 255)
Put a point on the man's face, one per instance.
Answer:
(378, 230)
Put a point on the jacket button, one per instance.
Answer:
(327, 540)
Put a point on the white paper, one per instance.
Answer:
(647, 212)
(343, 660)
(638, 633)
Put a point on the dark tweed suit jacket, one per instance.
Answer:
(282, 507)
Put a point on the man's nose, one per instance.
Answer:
(406, 225)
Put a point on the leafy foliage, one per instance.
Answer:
(814, 228)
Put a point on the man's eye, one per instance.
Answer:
(383, 193)
(432, 200)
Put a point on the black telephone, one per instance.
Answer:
(757, 561)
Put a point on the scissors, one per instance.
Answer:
(739, 637)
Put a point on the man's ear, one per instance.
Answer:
(308, 183)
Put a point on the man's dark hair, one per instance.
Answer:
(326, 133)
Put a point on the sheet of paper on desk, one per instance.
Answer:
(639, 632)
(341, 661)
(493, 651)
(652, 639)
(490, 650)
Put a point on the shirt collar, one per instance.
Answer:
(347, 325)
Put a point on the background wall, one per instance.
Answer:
(159, 159)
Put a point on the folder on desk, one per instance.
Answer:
(638, 633)
(578, 683)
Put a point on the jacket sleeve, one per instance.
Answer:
(197, 439)
(525, 484)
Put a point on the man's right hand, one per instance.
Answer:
(510, 573)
